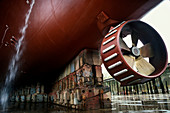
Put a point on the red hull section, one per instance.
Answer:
(59, 29)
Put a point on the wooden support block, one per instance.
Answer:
(28, 90)
(65, 96)
(68, 95)
(91, 57)
(81, 60)
(72, 66)
(33, 98)
(79, 75)
(39, 98)
(78, 94)
(77, 63)
(57, 95)
(33, 90)
(98, 71)
(45, 98)
(38, 89)
(88, 56)
(60, 85)
(61, 98)
(23, 98)
(72, 98)
(17, 98)
(99, 79)
(28, 98)
(42, 89)
(87, 71)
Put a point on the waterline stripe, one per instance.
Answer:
(108, 49)
(120, 72)
(115, 65)
(109, 40)
(126, 78)
(117, 26)
(111, 33)
(110, 57)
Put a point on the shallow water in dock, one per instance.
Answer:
(147, 103)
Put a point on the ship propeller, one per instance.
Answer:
(133, 52)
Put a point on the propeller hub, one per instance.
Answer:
(135, 51)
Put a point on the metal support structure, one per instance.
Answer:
(161, 85)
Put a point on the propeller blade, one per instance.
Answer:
(146, 50)
(134, 37)
(130, 60)
(143, 66)
(123, 45)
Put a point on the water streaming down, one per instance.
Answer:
(14, 64)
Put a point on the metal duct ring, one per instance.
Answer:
(133, 53)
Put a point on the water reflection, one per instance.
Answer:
(141, 103)
(155, 103)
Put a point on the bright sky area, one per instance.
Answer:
(159, 19)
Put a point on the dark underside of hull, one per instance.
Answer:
(58, 30)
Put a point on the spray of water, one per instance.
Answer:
(2, 41)
(13, 65)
